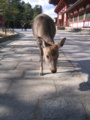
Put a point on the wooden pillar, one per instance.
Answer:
(84, 15)
(65, 15)
(58, 20)
(72, 20)
(77, 17)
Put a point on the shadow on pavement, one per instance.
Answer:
(84, 68)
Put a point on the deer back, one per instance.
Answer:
(44, 28)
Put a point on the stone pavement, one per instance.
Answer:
(24, 95)
(77, 50)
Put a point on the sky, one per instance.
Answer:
(47, 8)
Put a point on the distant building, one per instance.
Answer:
(73, 13)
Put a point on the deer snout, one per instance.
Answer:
(53, 71)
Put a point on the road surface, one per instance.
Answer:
(24, 95)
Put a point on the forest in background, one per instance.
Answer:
(17, 12)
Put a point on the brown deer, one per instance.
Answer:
(44, 32)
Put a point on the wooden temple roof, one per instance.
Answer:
(77, 5)
(61, 3)
(54, 2)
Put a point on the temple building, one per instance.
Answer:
(72, 13)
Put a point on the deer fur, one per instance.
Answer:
(44, 32)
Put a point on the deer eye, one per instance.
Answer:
(47, 56)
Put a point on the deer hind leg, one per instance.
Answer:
(41, 56)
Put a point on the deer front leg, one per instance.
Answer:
(39, 42)
(41, 61)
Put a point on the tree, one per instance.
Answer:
(16, 13)
(9, 10)
(37, 10)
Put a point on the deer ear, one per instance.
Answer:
(61, 43)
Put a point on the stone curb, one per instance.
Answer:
(5, 38)
(79, 30)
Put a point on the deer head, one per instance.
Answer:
(51, 54)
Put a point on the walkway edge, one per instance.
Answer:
(6, 38)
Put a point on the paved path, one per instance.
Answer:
(24, 95)
(77, 49)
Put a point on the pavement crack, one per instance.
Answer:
(9, 87)
(55, 87)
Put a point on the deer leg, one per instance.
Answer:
(41, 61)
(41, 56)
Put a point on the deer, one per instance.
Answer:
(44, 31)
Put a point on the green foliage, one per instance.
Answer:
(17, 13)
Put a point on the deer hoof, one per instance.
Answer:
(41, 74)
